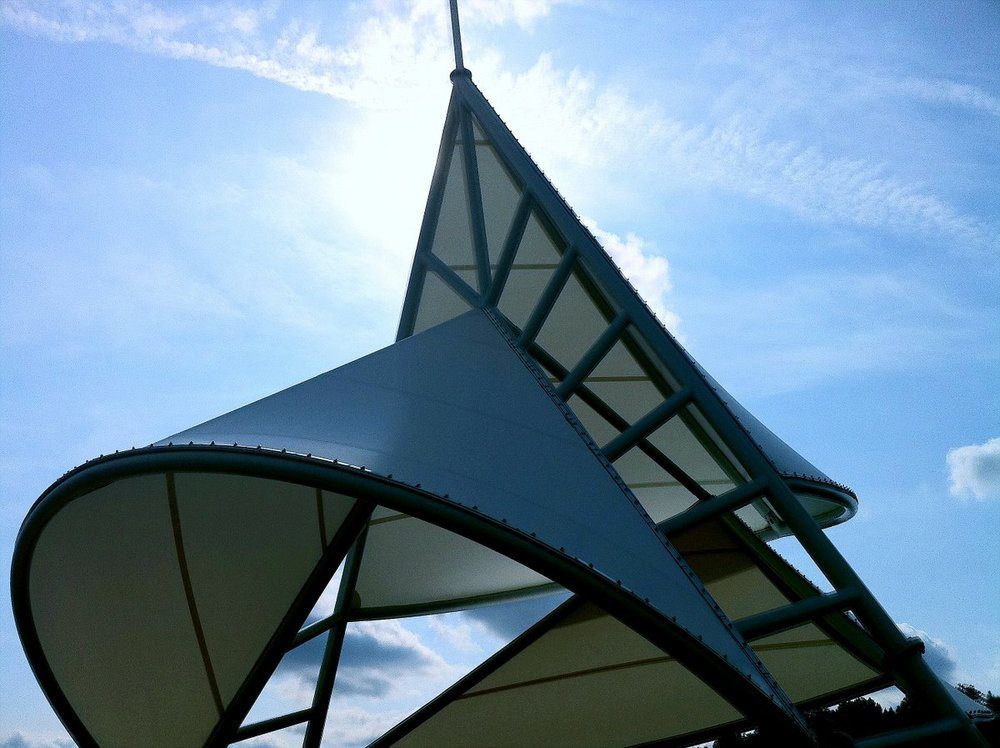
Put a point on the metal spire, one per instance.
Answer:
(456, 36)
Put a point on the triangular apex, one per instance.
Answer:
(527, 255)
(471, 211)
(456, 411)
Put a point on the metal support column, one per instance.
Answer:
(334, 644)
(903, 660)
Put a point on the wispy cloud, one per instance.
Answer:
(386, 669)
(461, 636)
(832, 325)
(355, 726)
(974, 471)
(943, 91)
(605, 128)
(382, 65)
(736, 155)
(394, 58)
(378, 658)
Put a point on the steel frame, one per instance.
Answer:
(902, 656)
(368, 489)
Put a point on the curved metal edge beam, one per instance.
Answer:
(364, 485)
(834, 493)
(78, 483)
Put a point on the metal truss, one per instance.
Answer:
(880, 642)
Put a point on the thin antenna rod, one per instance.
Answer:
(456, 36)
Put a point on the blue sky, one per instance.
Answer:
(200, 205)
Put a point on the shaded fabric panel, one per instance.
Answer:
(692, 452)
(499, 191)
(408, 562)
(809, 664)
(658, 492)
(537, 255)
(590, 681)
(573, 325)
(250, 544)
(806, 661)
(624, 385)
(453, 234)
(113, 620)
(438, 303)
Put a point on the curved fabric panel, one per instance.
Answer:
(456, 411)
(746, 578)
(453, 236)
(582, 661)
(410, 567)
(809, 664)
(250, 544)
(589, 681)
(154, 596)
(108, 604)
(443, 303)
(500, 194)
(538, 254)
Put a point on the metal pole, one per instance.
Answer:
(456, 36)
(334, 644)
(902, 658)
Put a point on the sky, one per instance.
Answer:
(203, 204)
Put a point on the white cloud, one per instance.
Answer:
(938, 654)
(948, 92)
(28, 740)
(649, 273)
(523, 12)
(354, 726)
(385, 658)
(459, 636)
(974, 470)
(888, 698)
(384, 64)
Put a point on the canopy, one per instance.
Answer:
(496, 232)
(535, 427)
(228, 558)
